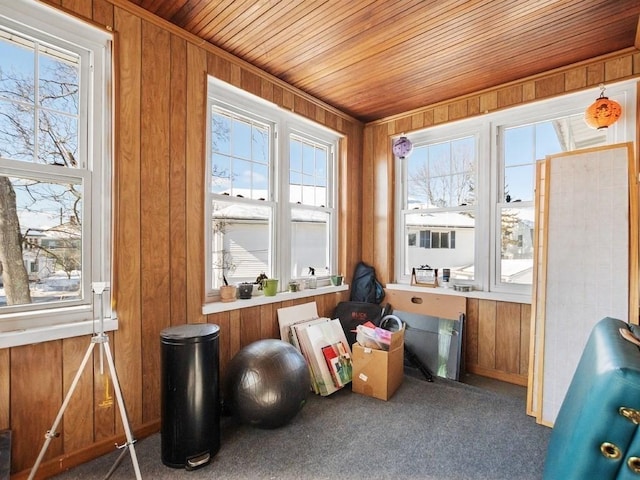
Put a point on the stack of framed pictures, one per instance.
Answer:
(323, 344)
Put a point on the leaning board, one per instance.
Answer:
(585, 262)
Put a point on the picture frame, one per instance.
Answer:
(424, 276)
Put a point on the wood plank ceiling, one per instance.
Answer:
(376, 58)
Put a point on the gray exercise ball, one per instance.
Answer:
(267, 383)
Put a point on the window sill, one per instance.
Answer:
(29, 336)
(501, 297)
(256, 300)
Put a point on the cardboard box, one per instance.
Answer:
(377, 373)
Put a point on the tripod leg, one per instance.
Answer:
(123, 412)
(52, 433)
(117, 463)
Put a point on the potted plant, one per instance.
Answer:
(245, 290)
(225, 264)
(258, 283)
(227, 292)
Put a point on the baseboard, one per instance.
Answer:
(62, 463)
(497, 375)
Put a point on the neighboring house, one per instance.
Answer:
(53, 255)
(447, 240)
(441, 240)
(241, 241)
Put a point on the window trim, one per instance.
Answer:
(448, 132)
(95, 141)
(285, 123)
(565, 105)
(490, 171)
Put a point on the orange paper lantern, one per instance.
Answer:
(603, 112)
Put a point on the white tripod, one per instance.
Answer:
(103, 340)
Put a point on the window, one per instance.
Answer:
(520, 145)
(466, 193)
(271, 202)
(54, 166)
(429, 239)
(310, 211)
(439, 205)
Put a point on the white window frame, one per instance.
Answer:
(285, 123)
(490, 172)
(449, 132)
(24, 325)
(330, 141)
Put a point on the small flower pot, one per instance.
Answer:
(270, 287)
(245, 290)
(228, 293)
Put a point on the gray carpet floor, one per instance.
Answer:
(443, 430)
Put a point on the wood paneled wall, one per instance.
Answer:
(160, 77)
(496, 340)
(497, 335)
(160, 80)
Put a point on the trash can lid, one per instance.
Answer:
(190, 333)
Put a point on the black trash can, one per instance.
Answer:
(190, 412)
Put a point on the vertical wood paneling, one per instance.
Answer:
(268, 321)
(250, 82)
(458, 110)
(81, 7)
(576, 79)
(507, 343)
(347, 198)
(154, 204)
(195, 128)
(351, 200)
(235, 75)
(620, 67)
(496, 339)
(487, 334)
(78, 417)
(488, 101)
(367, 217)
(403, 124)
(288, 99)
(235, 333)
(441, 114)
(525, 329)
(219, 66)
(509, 96)
(35, 404)
(250, 326)
(224, 349)
(470, 335)
(103, 13)
(473, 106)
(595, 74)
(104, 399)
(128, 296)
(379, 189)
(5, 390)
(325, 305)
(178, 182)
(550, 86)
